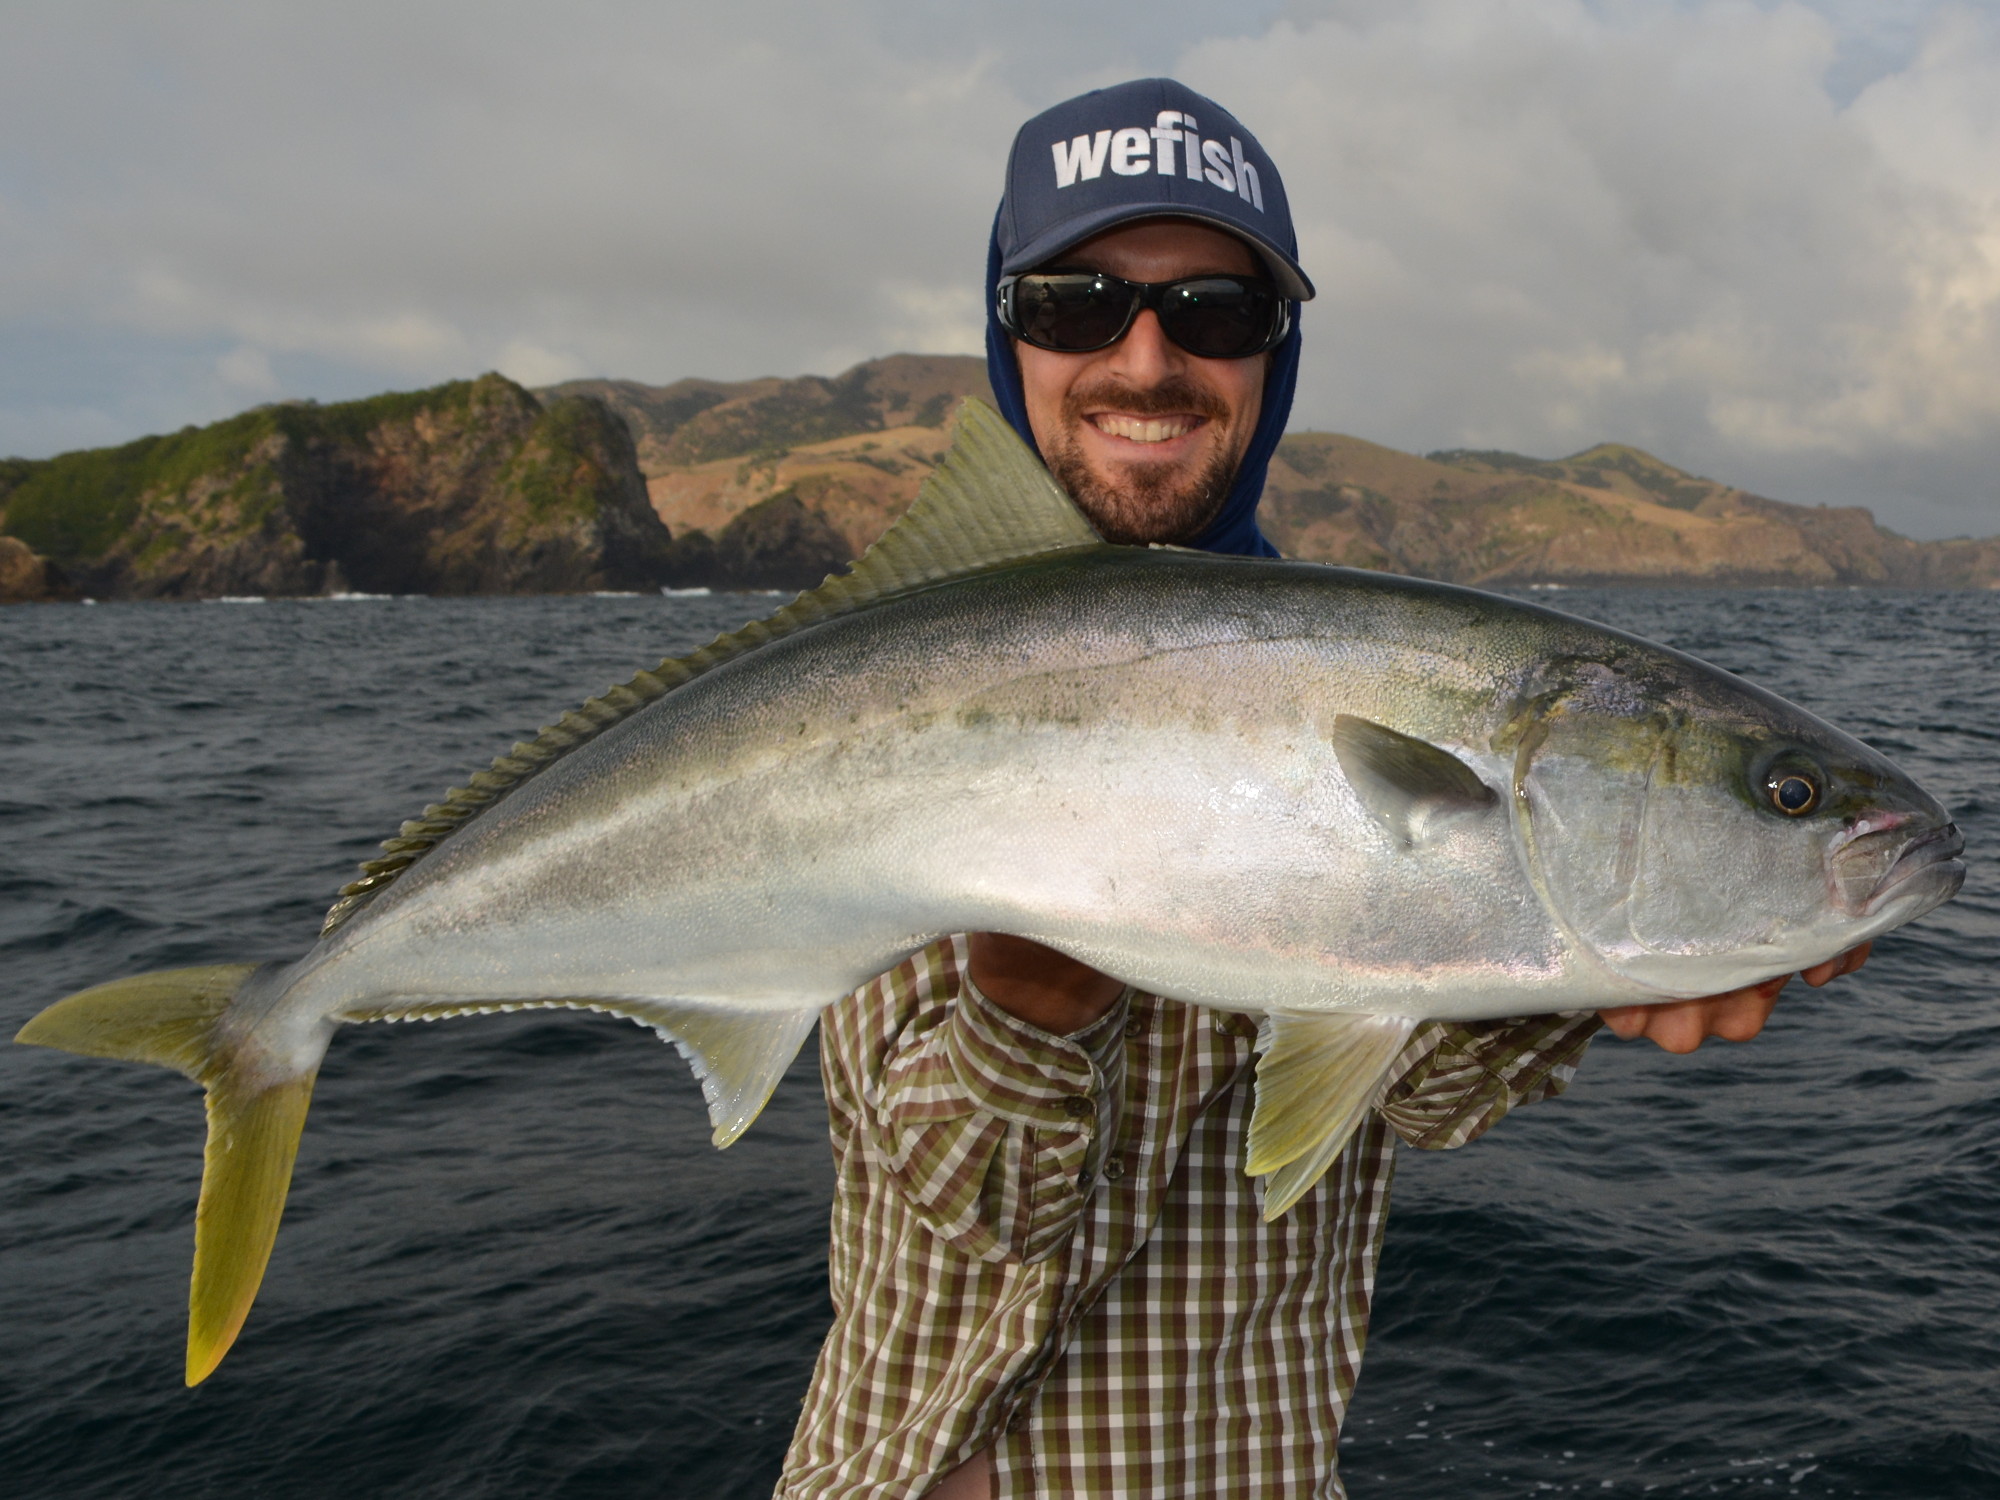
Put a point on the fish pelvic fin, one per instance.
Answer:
(1316, 1077)
(171, 1018)
(738, 1056)
(989, 502)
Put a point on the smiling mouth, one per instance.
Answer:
(1144, 429)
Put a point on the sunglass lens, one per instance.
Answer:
(1220, 319)
(1070, 313)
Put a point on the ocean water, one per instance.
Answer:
(512, 1265)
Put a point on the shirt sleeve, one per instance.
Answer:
(1457, 1080)
(989, 1127)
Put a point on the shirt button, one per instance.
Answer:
(1134, 1025)
(1114, 1169)
(1076, 1106)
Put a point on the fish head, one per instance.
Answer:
(1697, 833)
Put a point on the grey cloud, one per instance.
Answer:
(1538, 225)
(1751, 237)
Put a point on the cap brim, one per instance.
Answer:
(1071, 232)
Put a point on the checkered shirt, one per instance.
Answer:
(1047, 1245)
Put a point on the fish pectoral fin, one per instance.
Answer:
(1407, 784)
(1316, 1075)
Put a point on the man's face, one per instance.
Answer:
(1146, 437)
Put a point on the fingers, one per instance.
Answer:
(1833, 968)
(1739, 1016)
(1683, 1025)
(1679, 1028)
(1626, 1022)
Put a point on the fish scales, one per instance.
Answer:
(1103, 770)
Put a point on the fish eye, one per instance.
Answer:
(1793, 793)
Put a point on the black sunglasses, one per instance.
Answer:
(1076, 312)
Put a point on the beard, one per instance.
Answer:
(1147, 502)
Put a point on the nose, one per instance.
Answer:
(1145, 356)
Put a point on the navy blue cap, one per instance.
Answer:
(1039, 218)
(1149, 149)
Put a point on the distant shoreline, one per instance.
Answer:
(486, 488)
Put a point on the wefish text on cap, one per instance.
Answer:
(1152, 148)
(1133, 151)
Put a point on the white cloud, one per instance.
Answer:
(531, 364)
(248, 370)
(1538, 224)
(1763, 239)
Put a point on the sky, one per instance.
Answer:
(1759, 238)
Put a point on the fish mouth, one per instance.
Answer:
(1928, 868)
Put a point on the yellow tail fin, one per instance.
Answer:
(254, 1122)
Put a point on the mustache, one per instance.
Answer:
(1177, 395)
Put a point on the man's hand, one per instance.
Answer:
(1737, 1016)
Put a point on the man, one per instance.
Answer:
(1051, 1274)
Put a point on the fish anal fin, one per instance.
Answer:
(738, 1055)
(1409, 785)
(1316, 1075)
(989, 501)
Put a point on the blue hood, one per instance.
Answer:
(1235, 529)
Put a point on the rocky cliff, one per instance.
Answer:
(768, 481)
(1609, 515)
(483, 487)
(473, 487)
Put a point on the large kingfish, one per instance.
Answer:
(1340, 801)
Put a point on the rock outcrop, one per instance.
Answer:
(472, 487)
(834, 460)
(26, 577)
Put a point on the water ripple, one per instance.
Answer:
(512, 1264)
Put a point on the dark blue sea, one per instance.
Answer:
(513, 1266)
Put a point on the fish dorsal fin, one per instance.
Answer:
(1316, 1074)
(737, 1055)
(1407, 784)
(989, 502)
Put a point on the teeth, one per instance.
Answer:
(1144, 429)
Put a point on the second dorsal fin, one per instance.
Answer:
(989, 502)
